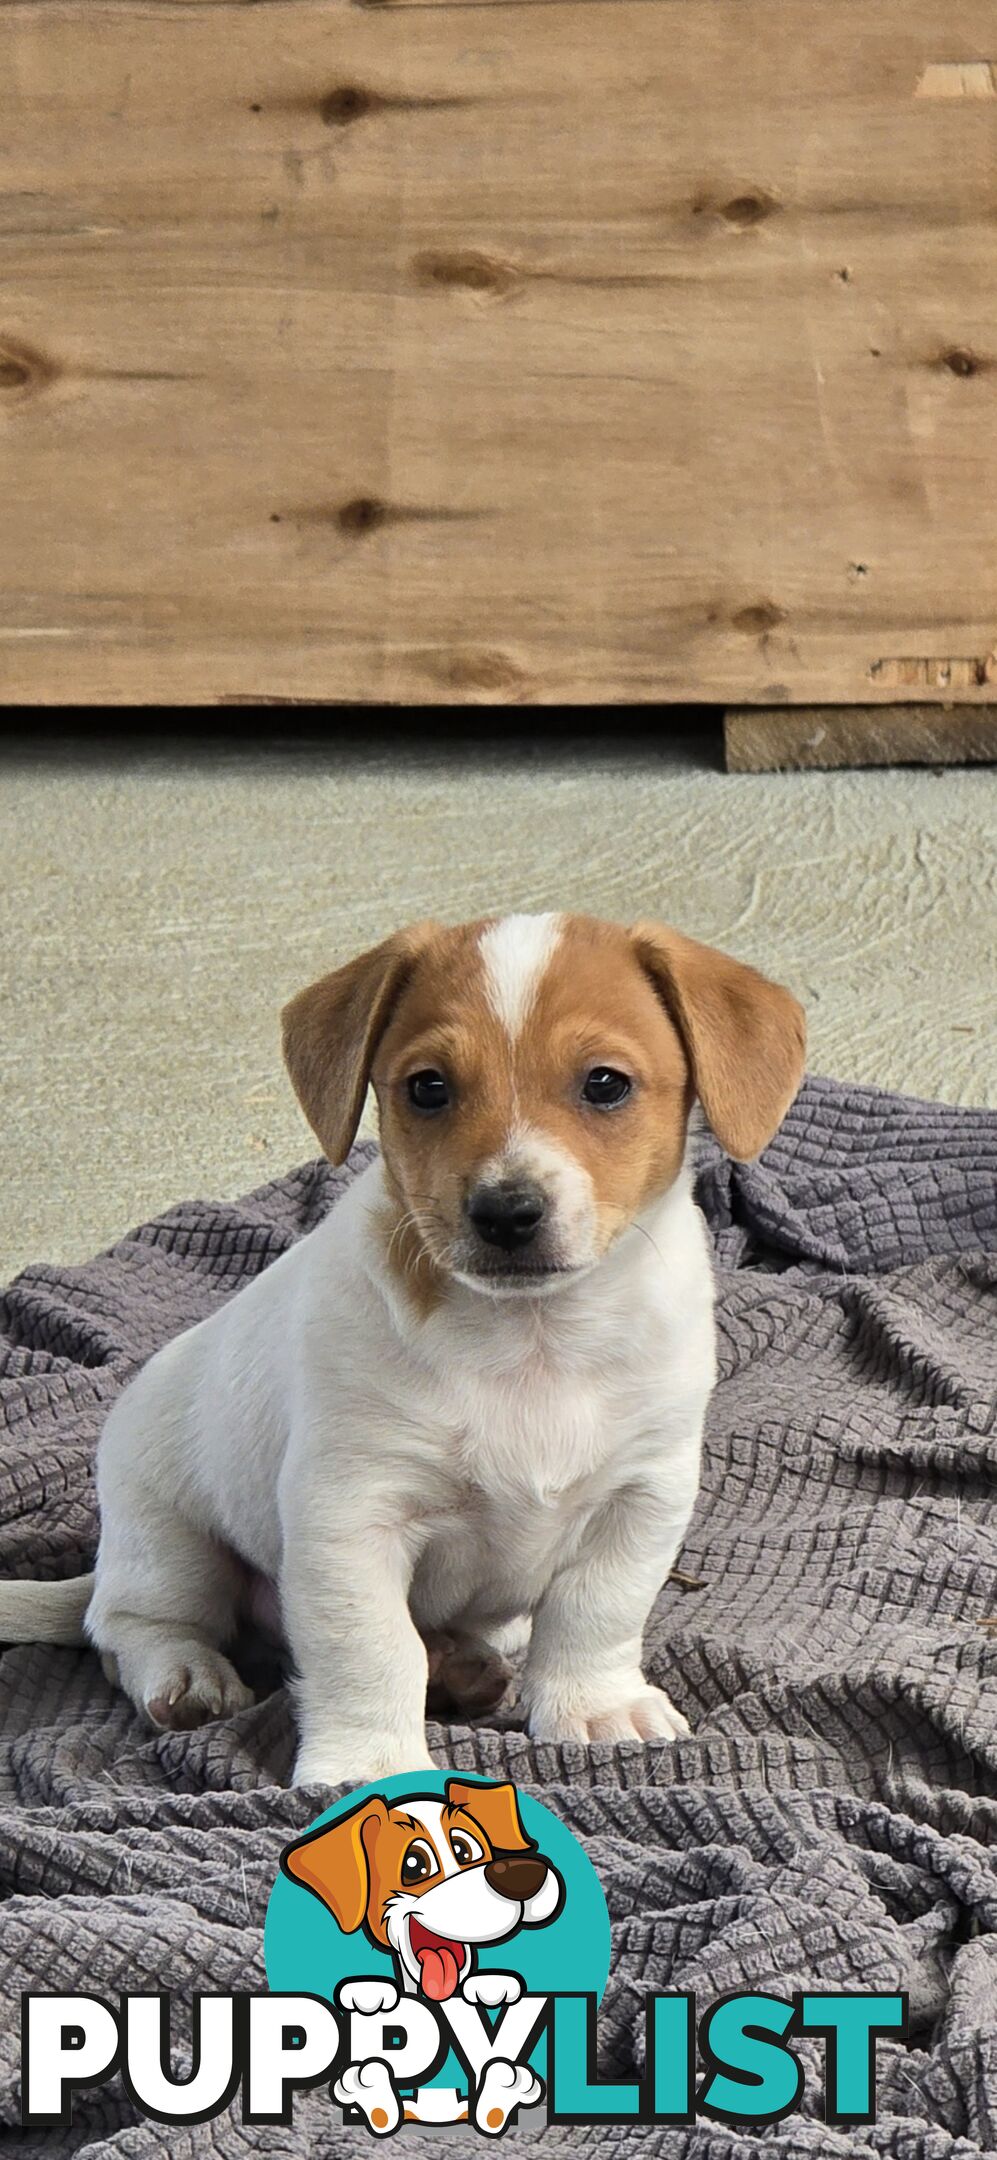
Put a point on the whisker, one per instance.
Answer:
(406, 1221)
(646, 1234)
(635, 1225)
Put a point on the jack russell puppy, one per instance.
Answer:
(474, 1395)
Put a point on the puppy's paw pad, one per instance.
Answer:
(206, 1687)
(368, 2086)
(368, 1996)
(492, 1988)
(504, 2087)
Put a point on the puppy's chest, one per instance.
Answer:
(538, 1434)
(524, 1466)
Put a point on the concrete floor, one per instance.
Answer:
(159, 903)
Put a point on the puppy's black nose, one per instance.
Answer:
(507, 1215)
(516, 1875)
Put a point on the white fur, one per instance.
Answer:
(532, 1457)
(527, 1461)
(517, 952)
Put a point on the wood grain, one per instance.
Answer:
(825, 737)
(523, 352)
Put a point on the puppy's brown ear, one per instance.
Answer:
(332, 1029)
(495, 1807)
(744, 1037)
(333, 1863)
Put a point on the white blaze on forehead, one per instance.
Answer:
(516, 953)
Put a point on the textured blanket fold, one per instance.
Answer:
(833, 1820)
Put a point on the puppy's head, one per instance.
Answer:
(430, 1879)
(534, 1077)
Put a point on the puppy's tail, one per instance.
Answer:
(45, 1611)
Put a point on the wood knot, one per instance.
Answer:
(960, 361)
(21, 368)
(470, 269)
(747, 210)
(348, 102)
(487, 671)
(362, 515)
(756, 620)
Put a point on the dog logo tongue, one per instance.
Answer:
(440, 1971)
(439, 1960)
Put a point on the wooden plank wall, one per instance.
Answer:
(507, 349)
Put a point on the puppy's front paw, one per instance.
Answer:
(638, 1713)
(369, 2087)
(356, 1760)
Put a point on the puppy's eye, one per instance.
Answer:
(418, 1864)
(466, 1850)
(428, 1091)
(605, 1087)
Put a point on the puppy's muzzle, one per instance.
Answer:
(507, 1215)
(517, 1875)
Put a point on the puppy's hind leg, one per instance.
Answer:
(464, 1674)
(164, 1602)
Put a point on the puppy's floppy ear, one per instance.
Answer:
(495, 1807)
(333, 1863)
(744, 1037)
(332, 1029)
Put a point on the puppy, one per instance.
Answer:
(474, 1395)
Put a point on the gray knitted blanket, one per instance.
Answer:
(832, 1822)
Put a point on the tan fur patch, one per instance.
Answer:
(677, 1018)
(597, 1007)
(593, 1005)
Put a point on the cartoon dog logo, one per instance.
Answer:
(431, 1881)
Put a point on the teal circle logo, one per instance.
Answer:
(430, 1884)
